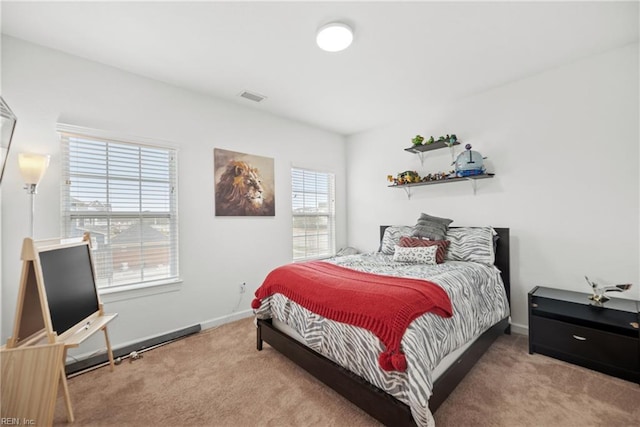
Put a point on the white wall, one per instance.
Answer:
(44, 87)
(564, 147)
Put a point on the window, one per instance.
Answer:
(124, 194)
(313, 204)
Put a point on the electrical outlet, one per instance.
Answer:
(243, 287)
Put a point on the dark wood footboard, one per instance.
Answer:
(380, 405)
(377, 403)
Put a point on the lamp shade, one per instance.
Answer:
(32, 167)
(334, 37)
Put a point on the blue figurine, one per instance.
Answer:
(469, 163)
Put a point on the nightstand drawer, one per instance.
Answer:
(587, 344)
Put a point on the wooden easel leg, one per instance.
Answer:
(109, 352)
(65, 388)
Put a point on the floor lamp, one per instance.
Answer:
(32, 167)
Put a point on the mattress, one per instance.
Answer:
(430, 342)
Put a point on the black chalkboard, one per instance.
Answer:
(70, 285)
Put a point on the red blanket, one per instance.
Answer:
(384, 305)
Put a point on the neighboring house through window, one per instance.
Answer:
(313, 203)
(123, 192)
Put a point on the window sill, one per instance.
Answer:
(122, 293)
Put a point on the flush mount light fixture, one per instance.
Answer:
(334, 37)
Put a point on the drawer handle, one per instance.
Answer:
(579, 338)
(534, 305)
(634, 325)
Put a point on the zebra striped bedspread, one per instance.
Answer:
(479, 301)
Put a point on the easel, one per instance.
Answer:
(33, 323)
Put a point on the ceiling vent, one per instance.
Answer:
(252, 96)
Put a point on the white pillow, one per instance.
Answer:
(418, 255)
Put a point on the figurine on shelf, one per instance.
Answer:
(598, 297)
(438, 176)
(408, 177)
(417, 140)
(469, 163)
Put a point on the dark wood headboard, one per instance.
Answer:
(502, 261)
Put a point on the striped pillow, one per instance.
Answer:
(392, 237)
(473, 244)
(412, 242)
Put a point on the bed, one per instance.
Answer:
(395, 398)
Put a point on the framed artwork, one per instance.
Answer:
(7, 126)
(244, 184)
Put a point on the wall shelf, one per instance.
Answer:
(472, 179)
(428, 147)
(420, 150)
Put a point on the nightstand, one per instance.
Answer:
(565, 325)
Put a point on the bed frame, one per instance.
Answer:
(380, 405)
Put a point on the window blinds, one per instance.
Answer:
(313, 204)
(125, 195)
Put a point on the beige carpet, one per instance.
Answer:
(217, 378)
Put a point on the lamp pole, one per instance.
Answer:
(32, 190)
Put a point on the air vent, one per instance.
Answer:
(252, 96)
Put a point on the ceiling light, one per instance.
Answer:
(334, 37)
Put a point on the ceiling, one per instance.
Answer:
(406, 56)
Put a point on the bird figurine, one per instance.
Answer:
(599, 296)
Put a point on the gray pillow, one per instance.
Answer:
(425, 217)
(431, 227)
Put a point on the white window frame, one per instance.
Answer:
(304, 213)
(164, 281)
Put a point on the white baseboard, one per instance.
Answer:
(212, 323)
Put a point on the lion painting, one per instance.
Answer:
(239, 188)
